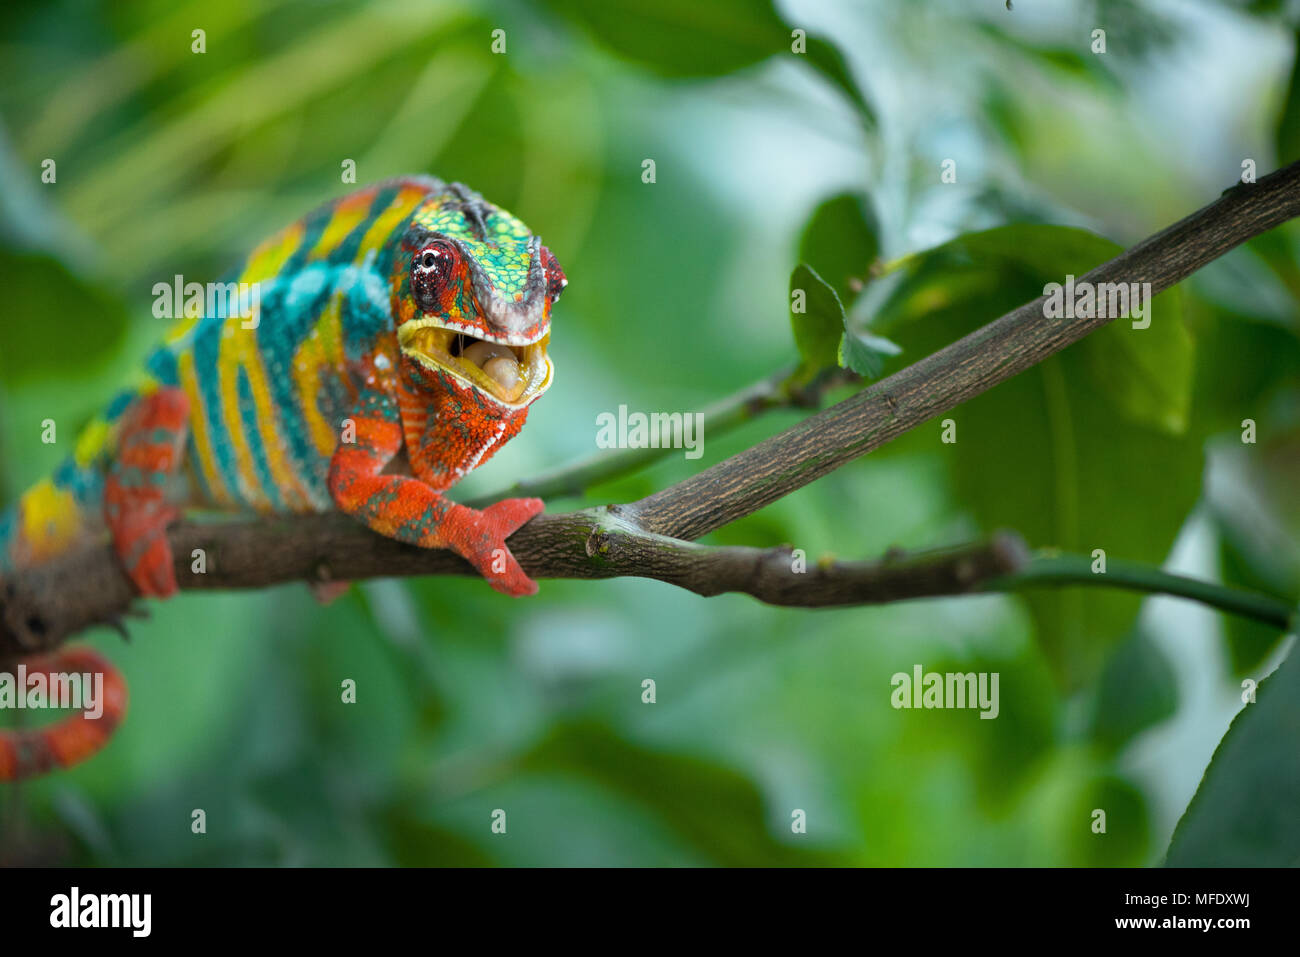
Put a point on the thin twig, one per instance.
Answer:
(781, 390)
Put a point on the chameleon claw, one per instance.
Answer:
(480, 537)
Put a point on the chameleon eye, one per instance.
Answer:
(430, 267)
(555, 278)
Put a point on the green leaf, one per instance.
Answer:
(1249, 642)
(821, 331)
(687, 38)
(1128, 831)
(1252, 502)
(1138, 690)
(820, 325)
(683, 37)
(711, 808)
(841, 240)
(48, 307)
(828, 60)
(865, 354)
(1244, 812)
(1288, 124)
(1080, 452)
(1146, 373)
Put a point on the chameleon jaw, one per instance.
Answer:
(511, 374)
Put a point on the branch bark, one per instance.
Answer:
(650, 538)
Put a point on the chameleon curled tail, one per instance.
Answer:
(31, 752)
(125, 498)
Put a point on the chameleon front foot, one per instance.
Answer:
(480, 538)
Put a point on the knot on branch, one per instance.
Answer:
(21, 620)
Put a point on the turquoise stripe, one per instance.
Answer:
(207, 350)
(253, 436)
(161, 364)
(8, 531)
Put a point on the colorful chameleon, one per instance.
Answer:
(398, 340)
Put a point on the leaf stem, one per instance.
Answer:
(1047, 567)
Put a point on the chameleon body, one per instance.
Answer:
(398, 340)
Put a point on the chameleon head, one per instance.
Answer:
(474, 300)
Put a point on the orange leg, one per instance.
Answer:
(410, 511)
(25, 754)
(149, 451)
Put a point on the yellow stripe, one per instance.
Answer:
(349, 212)
(199, 425)
(268, 258)
(236, 345)
(286, 480)
(51, 520)
(92, 442)
(407, 198)
(321, 349)
(239, 350)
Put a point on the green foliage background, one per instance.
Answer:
(171, 162)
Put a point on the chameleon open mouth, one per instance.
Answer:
(511, 374)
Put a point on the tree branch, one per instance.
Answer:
(973, 364)
(648, 538)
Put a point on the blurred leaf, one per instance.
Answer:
(1279, 249)
(56, 323)
(1249, 642)
(1250, 494)
(162, 151)
(1127, 837)
(841, 240)
(826, 57)
(1260, 8)
(1136, 28)
(1244, 812)
(415, 842)
(1146, 373)
(1265, 365)
(1138, 689)
(713, 808)
(1076, 452)
(691, 39)
(1074, 62)
(683, 37)
(1288, 124)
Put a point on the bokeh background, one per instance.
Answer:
(170, 161)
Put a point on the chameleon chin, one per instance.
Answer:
(408, 319)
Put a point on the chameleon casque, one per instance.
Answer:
(400, 339)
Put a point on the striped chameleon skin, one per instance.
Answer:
(396, 340)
